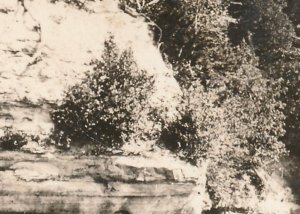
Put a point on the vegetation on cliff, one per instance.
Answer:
(105, 109)
(238, 69)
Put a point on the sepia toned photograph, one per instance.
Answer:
(149, 106)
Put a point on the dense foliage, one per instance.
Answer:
(238, 69)
(105, 108)
(273, 37)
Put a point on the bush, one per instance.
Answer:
(186, 136)
(105, 108)
(181, 137)
(12, 140)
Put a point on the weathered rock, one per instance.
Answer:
(69, 184)
(27, 117)
(46, 47)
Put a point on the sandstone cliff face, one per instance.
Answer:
(52, 183)
(46, 47)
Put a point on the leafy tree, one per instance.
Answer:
(268, 28)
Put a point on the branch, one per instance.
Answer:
(144, 4)
(132, 12)
(155, 25)
(138, 4)
(153, 2)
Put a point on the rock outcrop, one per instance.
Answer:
(46, 47)
(83, 184)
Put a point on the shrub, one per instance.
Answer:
(13, 140)
(186, 136)
(105, 108)
(181, 137)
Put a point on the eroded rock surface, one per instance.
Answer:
(73, 184)
(46, 47)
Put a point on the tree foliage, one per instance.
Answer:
(105, 108)
(233, 106)
(272, 34)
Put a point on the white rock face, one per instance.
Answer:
(46, 47)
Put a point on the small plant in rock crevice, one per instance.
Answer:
(14, 140)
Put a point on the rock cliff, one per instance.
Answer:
(56, 183)
(46, 46)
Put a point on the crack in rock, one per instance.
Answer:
(35, 53)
